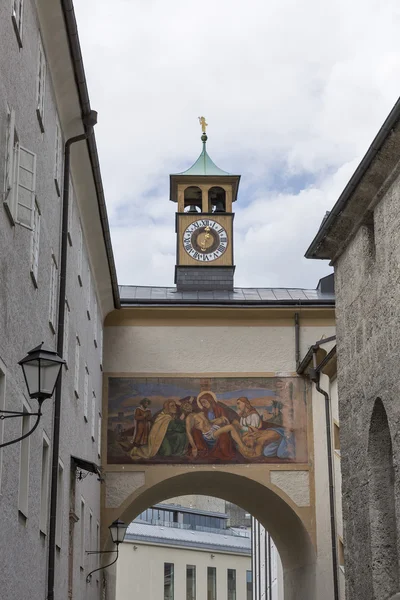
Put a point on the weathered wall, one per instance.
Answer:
(368, 314)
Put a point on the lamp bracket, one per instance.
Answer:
(9, 414)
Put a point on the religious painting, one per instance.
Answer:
(178, 420)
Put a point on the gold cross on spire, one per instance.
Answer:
(204, 125)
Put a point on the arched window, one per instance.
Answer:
(217, 199)
(382, 510)
(192, 198)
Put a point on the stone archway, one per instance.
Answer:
(290, 526)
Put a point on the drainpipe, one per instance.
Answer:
(89, 121)
(297, 338)
(315, 377)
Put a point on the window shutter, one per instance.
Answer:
(41, 83)
(10, 151)
(88, 290)
(58, 158)
(35, 243)
(99, 436)
(76, 382)
(26, 184)
(95, 319)
(80, 251)
(93, 424)
(53, 293)
(85, 394)
(66, 334)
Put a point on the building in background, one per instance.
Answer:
(184, 553)
(43, 100)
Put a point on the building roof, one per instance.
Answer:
(365, 188)
(189, 538)
(204, 165)
(132, 295)
(187, 509)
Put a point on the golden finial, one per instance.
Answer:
(204, 125)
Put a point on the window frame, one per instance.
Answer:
(86, 394)
(41, 84)
(44, 485)
(35, 243)
(17, 19)
(53, 293)
(77, 366)
(25, 453)
(58, 157)
(60, 503)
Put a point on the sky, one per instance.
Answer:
(293, 92)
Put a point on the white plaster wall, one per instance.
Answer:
(208, 349)
(140, 572)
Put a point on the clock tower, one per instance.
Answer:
(204, 224)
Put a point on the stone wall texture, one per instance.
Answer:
(367, 283)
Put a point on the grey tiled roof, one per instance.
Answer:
(140, 295)
(171, 536)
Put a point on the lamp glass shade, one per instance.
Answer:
(41, 369)
(118, 531)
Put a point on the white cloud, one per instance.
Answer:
(290, 89)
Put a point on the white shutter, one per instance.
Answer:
(80, 251)
(99, 436)
(93, 424)
(53, 293)
(58, 158)
(95, 320)
(35, 244)
(76, 381)
(9, 151)
(85, 394)
(41, 85)
(26, 184)
(66, 334)
(88, 290)
(101, 344)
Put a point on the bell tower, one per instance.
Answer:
(204, 224)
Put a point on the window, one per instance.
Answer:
(71, 200)
(90, 557)
(2, 407)
(23, 491)
(85, 393)
(53, 293)
(211, 583)
(336, 437)
(341, 554)
(80, 252)
(44, 487)
(168, 581)
(99, 436)
(95, 320)
(41, 86)
(77, 353)
(66, 333)
(101, 345)
(60, 503)
(249, 585)
(190, 582)
(82, 520)
(58, 150)
(16, 17)
(20, 178)
(93, 425)
(231, 584)
(35, 244)
(88, 291)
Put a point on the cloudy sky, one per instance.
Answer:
(293, 92)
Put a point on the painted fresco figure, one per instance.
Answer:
(142, 425)
(211, 432)
(272, 442)
(158, 432)
(175, 441)
(217, 414)
(250, 419)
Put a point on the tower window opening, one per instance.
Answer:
(217, 199)
(192, 199)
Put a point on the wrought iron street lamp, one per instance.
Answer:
(117, 532)
(41, 368)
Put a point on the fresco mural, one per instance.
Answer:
(206, 420)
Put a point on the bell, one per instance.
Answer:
(219, 206)
(192, 209)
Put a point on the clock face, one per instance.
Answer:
(205, 240)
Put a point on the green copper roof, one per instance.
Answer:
(204, 166)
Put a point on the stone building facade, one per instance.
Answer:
(361, 237)
(41, 106)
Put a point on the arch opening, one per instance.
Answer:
(382, 508)
(276, 515)
(192, 199)
(217, 199)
